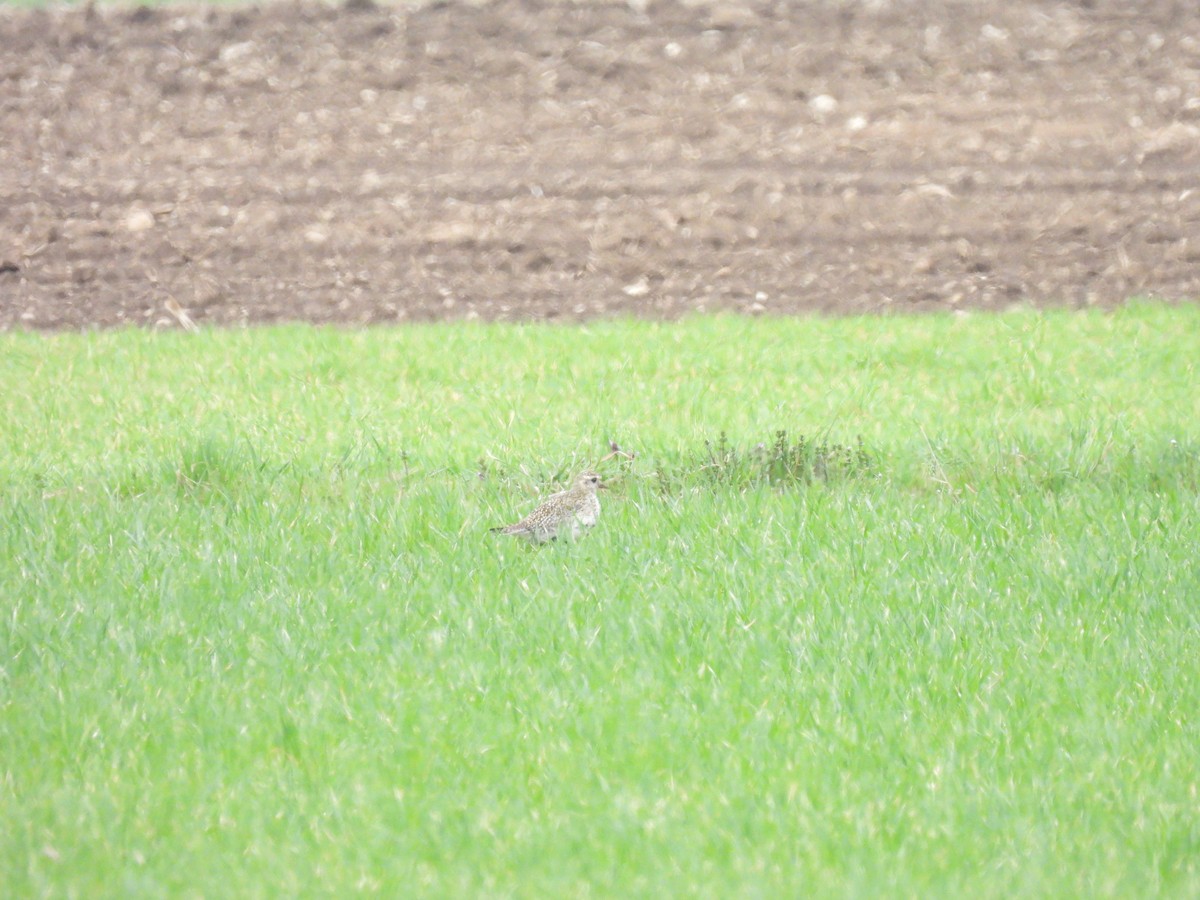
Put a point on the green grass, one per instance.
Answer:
(256, 640)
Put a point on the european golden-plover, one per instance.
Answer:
(565, 514)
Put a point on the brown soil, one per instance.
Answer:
(540, 159)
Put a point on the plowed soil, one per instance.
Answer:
(531, 159)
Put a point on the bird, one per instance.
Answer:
(565, 514)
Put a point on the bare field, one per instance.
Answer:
(515, 160)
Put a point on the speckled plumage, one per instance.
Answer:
(565, 514)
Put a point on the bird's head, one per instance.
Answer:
(590, 482)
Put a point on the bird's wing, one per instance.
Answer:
(530, 520)
(529, 523)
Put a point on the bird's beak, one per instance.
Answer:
(602, 486)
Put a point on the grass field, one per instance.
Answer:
(256, 639)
